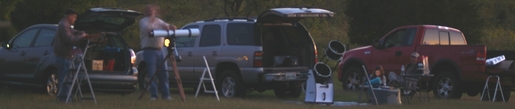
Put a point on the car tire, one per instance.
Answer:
(52, 83)
(231, 84)
(142, 78)
(288, 90)
(446, 85)
(352, 78)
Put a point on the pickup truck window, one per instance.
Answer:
(240, 34)
(457, 38)
(210, 35)
(402, 37)
(25, 39)
(186, 41)
(435, 37)
(45, 38)
(444, 38)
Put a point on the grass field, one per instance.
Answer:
(25, 98)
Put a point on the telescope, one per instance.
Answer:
(189, 32)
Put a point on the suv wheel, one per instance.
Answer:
(288, 90)
(52, 83)
(231, 84)
(351, 79)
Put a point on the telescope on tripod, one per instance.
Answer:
(319, 86)
(172, 35)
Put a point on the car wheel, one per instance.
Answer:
(351, 79)
(231, 84)
(446, 85)
(142, 78)
(52, 83)
(288, 90)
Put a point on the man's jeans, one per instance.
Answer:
(154, 60)
(63, 66)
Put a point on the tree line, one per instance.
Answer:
(356, 22)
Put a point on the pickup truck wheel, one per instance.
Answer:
(351, 79)
(142, 78)
(446, 85)
(52, 84)
(231, 84)
(288, 90)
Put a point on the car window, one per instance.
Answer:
(210, 35)
(45, 38)
(25, 38)
(186, 41)
(444, 38)
(457, 38)
(240, 34)
(404, 37)
(431, 37)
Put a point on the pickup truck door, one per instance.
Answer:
(395, 51)
(14, 66)
(210, 47)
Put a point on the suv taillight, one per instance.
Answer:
(258, 59)
(316, 56)
(481, 57)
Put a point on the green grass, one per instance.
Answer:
(26, 98)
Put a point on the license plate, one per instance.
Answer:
(291, 75)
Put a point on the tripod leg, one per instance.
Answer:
(177, 77)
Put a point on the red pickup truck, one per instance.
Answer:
(457, 67)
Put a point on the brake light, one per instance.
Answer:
(481, 57)
(258, 59)
(316, 55)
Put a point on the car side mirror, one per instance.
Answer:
(377, 44)
(6, 45)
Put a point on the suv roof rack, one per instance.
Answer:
(232, 18)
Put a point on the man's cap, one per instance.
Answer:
(414, 54)
(70, 11)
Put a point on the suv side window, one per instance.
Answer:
(402, 37)
(25, 39)
(186, 41)
(210, 35)
(240, 34)
(45, 38)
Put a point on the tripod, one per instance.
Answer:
(75, 71)
(169, 56)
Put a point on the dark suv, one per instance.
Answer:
(29, 59)
(273, 51)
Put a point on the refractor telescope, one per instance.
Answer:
(190, 32)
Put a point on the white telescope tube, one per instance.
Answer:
(190, 32)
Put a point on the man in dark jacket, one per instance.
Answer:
(64, 40)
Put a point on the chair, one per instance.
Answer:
(363, 86)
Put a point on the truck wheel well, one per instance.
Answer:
(221, 67)
(349, 65)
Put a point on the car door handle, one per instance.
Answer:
(214, 53)
(23, 53)
(45, 53)
(398, 53)
(190, 54)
